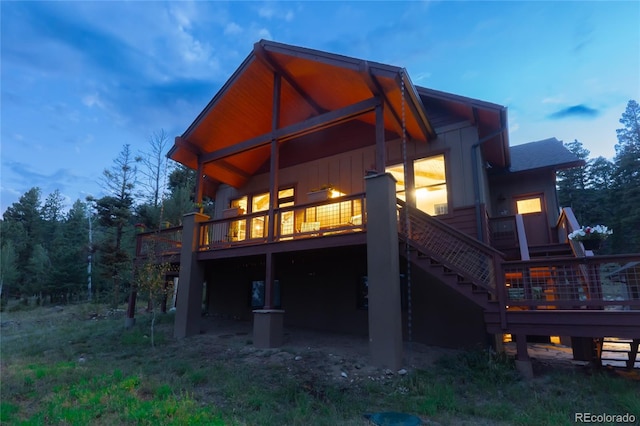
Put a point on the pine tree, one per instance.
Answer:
(626, 189)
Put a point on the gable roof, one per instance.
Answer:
(233, 133)
(444, 109)
(547, 153)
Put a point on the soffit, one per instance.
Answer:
(444, 109)
(313, 83)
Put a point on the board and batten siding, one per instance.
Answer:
(345, 172)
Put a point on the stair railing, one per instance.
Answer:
(477, 262)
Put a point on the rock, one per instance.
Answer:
(298, 358)
(343, 374)
(402, 372)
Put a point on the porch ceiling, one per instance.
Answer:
(313, 83)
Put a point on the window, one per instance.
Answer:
(529, 205)
(430, 182)
(431, 185)
(258, 225)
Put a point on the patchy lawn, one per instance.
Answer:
(76, 365)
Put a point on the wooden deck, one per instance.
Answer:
(588, 296)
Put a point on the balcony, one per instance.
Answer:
(335, 216)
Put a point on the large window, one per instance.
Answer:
(431, 185)
(258, 225)
(430, 182)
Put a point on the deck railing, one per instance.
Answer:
(590, 282)
(160, 243)
(503, 232)
(567, 223)
(329, 217)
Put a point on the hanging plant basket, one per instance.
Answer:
(592, 244)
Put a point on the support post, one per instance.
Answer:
(381, 149)
(274, 162)
(189, 300)
(268, 323)
(383, 272)
(523, 362)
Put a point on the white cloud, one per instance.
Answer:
(266, 12)
(264, 33)
(553, 100)
(93, 100)
(232, 29)
(422, 77)
(289, 16)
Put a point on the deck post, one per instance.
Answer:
(383, 272)
(189, 300)
(523, 362)
(381, 149)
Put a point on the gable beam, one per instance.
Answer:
(181, 142)
(312, 124)
(375, 87)
(411, 94)
(223, 164)
(262, 54)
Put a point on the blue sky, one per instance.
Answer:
(81, 79)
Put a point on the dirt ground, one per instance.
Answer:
(325, 355)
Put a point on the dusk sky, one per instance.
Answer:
(81, 79)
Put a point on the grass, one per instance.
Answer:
(77, 365)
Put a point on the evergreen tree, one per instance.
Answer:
(37, 270)
(626, 189)
(8, 270)
(114, 213)
(76, 235)
(23, 225)
(572, 183)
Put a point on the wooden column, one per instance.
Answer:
(409, 183)
(199, 183)
(381, 149)
(274, 162)
(268, 322)
(268, 282)
(523, 362)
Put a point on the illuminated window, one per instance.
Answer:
(397, 171)
(240, 203)
(260, 202)
(286, 198)
(431, 185)
(529, 205)
(258, 225)
(237, 228)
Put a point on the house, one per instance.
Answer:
(348, 199)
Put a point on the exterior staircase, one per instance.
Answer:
(610, 350)
(553, 293)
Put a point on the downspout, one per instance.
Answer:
(476, 179)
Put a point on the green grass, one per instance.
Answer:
(61, 367)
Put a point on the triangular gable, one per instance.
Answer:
(313, 84)
(444, 109)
